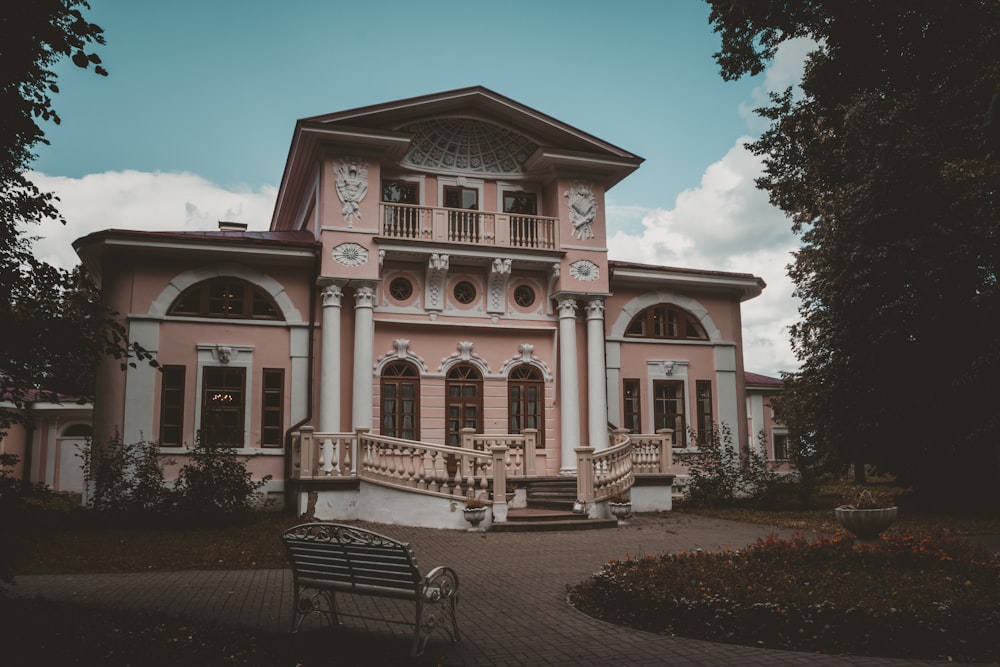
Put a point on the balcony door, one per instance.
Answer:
(463, 218)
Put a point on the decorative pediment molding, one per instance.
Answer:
(526, 355)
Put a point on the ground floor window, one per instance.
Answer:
(780, 446)
(223, 406)
(464, 396)
(272, 402)
(400, 389)
(632, 408)
(703, 389)
(525, 401)
(668, 408)
(172, 406)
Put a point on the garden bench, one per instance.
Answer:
(330, 558)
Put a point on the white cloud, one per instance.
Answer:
(725, 224)
(784, 70)
(142, 201)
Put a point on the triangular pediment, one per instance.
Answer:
(476, 103)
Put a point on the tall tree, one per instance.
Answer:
(887, 161)
(53, 329)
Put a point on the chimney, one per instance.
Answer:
(226, 226)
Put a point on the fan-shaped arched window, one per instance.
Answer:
(666, 321)
(77, 431)
(525, 401)
(226, 297)
(401, 401)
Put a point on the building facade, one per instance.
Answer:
(436, 271)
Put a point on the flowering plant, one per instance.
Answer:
(618, 497)
(473, 503)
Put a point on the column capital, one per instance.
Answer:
(332, 294)
(364, 296)
(567, 307)
(595, 308)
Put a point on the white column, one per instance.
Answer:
(329, 375)
(364, 335)
(597, 398)
(569, 390)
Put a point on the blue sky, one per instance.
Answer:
(194, 122)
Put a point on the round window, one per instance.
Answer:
(465, 292)
(524, 296)
(400, 289)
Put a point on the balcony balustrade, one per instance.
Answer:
(485, 228)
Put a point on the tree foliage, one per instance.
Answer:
(887, 161)
(54, 329)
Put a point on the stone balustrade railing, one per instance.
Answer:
(653, 453)
(446, 225)
(474, 470)
(519, 460)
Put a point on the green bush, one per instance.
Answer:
(125, 478)
(930, 598)
(216, 482)
(718, 477)
(20, 505)
(127, 481)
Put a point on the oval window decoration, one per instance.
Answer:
(465, 292)
(400, 289)
(524, 296)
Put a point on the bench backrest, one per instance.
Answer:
(330, 555)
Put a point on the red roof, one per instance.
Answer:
(758, 380)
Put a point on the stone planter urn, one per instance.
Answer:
(620, 511)
(866, 524)
(475, 516)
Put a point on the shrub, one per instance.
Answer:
(216, 481)
(20, 506)
(931, 597)
(124, 478)
(718, 478)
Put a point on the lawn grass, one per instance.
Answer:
(242, 545)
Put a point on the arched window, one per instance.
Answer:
(77, 431)
(401, 401)
(464, 397)
(525, 400)
(666, 321)
(226, 297)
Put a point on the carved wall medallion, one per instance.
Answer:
(584, 270)
(350, 254)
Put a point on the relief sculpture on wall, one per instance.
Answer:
(352, 186)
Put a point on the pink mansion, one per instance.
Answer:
(431, 315)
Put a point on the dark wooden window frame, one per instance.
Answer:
(666, 393)
(705, 416)
(272, 407)
(213, 404)
(463, 377)
(227, 298)
(521, 381)
(395, 379)
(666, 321)
(632, 405)
(172, 379)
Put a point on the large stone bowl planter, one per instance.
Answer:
(475, 516)
(866, 525)
(620, 511)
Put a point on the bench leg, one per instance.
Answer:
(314, 601)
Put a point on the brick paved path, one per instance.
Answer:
(512, 609)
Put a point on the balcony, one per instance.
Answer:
(481, 228)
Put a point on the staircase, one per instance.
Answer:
(550, 507)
